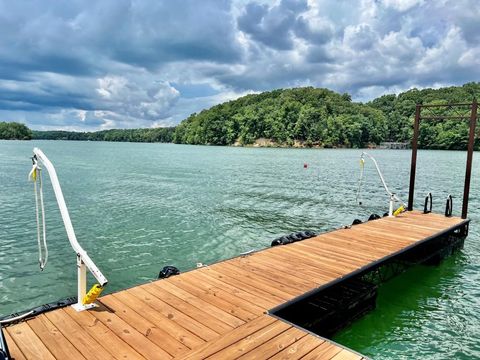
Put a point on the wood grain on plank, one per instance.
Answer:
(275, 345)
(161, 321)
(346, 355)
(187, 283)
(325, 351)
(102, 334)
(53, 339)
(15, 351)
(229, 338)
(29, 343)
(298, 349)
(159, 336)
(127, 333)
(251, 341)
(78, 336)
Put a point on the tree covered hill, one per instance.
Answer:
(14, 131)
(308, 115)
(299, 117)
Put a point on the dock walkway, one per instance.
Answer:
(221, 311)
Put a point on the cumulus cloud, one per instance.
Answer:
(360, 37)
(402, 5)
(124, 63)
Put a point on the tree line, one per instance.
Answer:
(302, 117)
(164, 135)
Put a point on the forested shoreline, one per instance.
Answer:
(303, 117)
(164, 135)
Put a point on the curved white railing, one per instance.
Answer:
(84, 261)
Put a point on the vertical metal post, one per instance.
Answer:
(468, 171)
(413, 164)
(82, 281)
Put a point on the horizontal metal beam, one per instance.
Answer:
(446, 105)
(446, 117)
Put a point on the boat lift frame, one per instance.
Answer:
(461, 114)
(84, 261)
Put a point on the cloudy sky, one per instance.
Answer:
(88, 65)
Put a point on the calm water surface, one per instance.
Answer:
(138, 207)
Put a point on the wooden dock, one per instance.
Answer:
(221, 311)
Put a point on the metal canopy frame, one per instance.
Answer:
(463, 111)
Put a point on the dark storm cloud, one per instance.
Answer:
(126, 63)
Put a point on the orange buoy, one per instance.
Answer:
(305, 165)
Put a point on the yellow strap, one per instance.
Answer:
(92, 294)
(399, 210)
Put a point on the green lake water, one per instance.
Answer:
(138, 207)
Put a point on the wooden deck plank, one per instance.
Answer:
(305, 268)
(292, 256)
(53, 339)
(239, 279)
(15, 351)
(223, 316)
(187, 284)
(298, 349)
(220, 292)
(339, 262)
(169, 326)
(217, 311)
(159, 336)
(270, 274)
(275, 345)
(184, 320)
(363, 245)
(362, 234)
(29, 343)
(254, 290)
(341, 254)
(206, 320)
(335, 250)
(79, 337)
(241, 294)
(346, 355)
(245, 276)
(378, 235)
(103, 335)
(277, 261)
(250, 342)
(127, 333)
(270, 271)
(229, 338)
(325, 351)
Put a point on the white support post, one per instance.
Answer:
(390, 208)
(82, 286)
(82, 279)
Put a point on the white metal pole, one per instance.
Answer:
(83, 260)
(82, 280)
(390, 209)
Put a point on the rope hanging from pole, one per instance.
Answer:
(35, 175)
